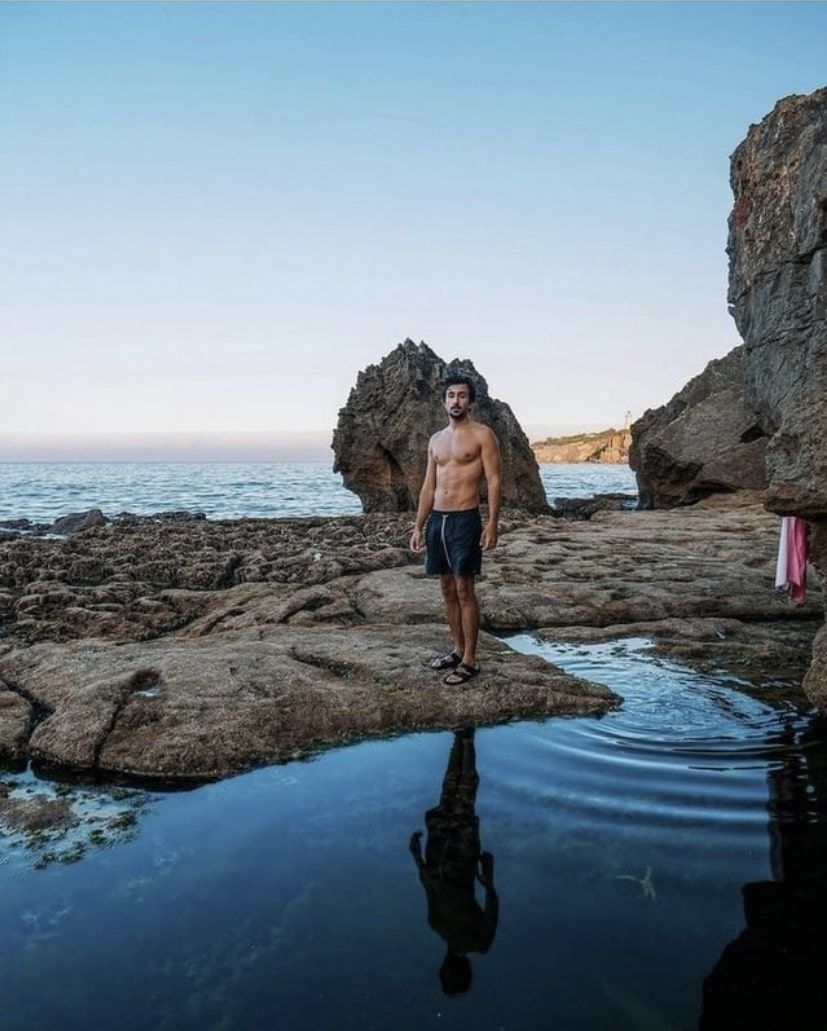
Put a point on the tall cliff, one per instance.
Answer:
(778, 297)
(381, 440)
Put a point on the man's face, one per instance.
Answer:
(457, 401)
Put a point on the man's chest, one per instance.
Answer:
(456, 452)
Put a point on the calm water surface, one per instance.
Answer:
(660, 867)
(41, 491)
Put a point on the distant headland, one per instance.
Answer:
(609, 445)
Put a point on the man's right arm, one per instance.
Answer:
(426, 502)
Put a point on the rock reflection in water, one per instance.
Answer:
(46, 821)
(452, 865)
(772, 974)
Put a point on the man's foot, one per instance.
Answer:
(446, 661)
(461, 675)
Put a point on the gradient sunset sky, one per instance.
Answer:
(214, 215)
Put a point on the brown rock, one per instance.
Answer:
(705, 440)
(381, 440)
(208, 707)
(15, 724)
(778, 297)
(145, 579)
(585, 508)
(815, 683)
(713, 559)
(77, 522)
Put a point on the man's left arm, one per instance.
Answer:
(491, 467)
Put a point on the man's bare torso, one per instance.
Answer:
(457, 454)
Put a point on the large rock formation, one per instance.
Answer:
(705, 440)
(381, 441)
(778, 297)
(606, 446)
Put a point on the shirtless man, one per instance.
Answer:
(458, 458)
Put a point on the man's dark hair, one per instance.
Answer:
(459, 379)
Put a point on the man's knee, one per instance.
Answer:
(464, 586)
(449, 587)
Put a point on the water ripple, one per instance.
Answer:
(683, 754)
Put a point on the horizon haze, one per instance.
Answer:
(273, 446)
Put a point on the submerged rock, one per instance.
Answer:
(778, 297)
(381, 440)
(44, 822)
(705, 440)
(36, 813)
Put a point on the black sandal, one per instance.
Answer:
(450, 661)
(462, 674)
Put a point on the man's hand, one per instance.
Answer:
(416, 540)
(489, 537)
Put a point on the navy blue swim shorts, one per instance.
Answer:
(452, 540)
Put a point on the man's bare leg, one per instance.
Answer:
(452, 611)
(470, 617)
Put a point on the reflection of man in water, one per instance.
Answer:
(452, 865)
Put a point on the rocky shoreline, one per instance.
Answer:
(182, 648)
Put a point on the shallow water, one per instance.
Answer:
(42, 491)
(624, 850)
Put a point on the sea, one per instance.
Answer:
(660, 867)
(42, 491)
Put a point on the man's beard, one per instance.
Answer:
(456, 413)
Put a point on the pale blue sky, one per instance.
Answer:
(215, 215)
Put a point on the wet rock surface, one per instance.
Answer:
(705, 440)
(585, 508)
(187, 648)
(77, 522)
(381, 440)
(764, 654)
(778, 297)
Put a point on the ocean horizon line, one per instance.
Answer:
(237, 446)
(165, 461)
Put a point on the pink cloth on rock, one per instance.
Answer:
(791, 569)
(797, 549)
